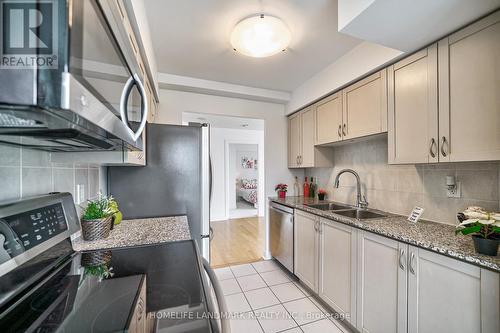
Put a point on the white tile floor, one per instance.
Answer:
(262, 298)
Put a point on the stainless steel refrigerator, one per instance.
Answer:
(175, 180)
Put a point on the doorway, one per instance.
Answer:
(243, 180)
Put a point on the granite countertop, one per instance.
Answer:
(140, 232)
(431, 236)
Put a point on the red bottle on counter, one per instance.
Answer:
(306, 188)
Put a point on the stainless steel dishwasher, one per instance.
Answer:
(281, 225)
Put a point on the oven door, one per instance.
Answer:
(98, 63)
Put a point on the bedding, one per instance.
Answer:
(247, 190)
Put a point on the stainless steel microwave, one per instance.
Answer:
(91, 99)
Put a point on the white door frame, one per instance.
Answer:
(260, 172)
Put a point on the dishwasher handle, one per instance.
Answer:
(224, 320)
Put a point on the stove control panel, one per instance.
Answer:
(21, 232)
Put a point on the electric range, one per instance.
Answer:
(45, 286)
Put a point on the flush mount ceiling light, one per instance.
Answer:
(260, 36)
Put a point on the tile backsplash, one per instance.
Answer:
(26, 172)
(398, 188)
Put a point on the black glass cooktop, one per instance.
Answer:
(93, 291)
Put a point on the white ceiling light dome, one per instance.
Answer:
(260, 36)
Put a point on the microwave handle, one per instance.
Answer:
(134, 80)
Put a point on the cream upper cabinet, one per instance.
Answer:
(469, 90)
(413, 108)
(381, 284)
(308, 132)
(446, 295)
(329, 119)
(365, 106)
(301, 140)
(337, 268)
(294, 140)
(306, 248)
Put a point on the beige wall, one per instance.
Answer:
(398, 188)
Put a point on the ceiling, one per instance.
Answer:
(223, 121)
(191, 38)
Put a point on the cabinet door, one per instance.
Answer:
(381, 289)
(365, 106)
(413, 113)
(469, 106)
(444, 294)
(294, 140)
(329, 120)
(337, 268)
(308, 133)
(306, 249)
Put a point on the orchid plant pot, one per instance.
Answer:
(96, 229)
(321, 196)
(281, 194)
(486, 246)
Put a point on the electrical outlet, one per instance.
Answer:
(80, 193)
(455, 192)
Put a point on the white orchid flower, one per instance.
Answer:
(466, 222)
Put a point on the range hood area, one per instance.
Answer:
(91, 100)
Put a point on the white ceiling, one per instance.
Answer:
(223, 121)
(191, 38)
(408, 25)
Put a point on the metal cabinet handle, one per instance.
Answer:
(297, 160)
(431, 149)
(300, 159)
(412, 270)
(340, 131)
(344, 130)
(401, 256)
(443, 142)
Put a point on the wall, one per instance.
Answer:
(173, 103)
(236, 170)
(398, 188)
(25, 172)
(220, 138)
(356, 63)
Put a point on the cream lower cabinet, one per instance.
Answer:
(446, 295)
(403, 288)
(337, 268)
(306, 248)
(381, 285)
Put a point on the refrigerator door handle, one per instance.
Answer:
(210, 187)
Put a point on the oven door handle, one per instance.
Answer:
(225, 326)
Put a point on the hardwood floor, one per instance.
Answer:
(237, 241)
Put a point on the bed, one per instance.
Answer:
(246, 189)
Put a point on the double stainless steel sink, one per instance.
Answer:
(347, 211)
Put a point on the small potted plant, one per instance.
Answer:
(96, 219)
(321, 194)
(484, 227)
(281, 189)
